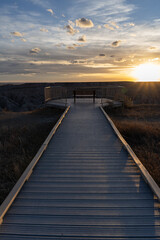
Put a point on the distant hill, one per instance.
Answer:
(24, 97)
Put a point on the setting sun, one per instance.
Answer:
(147, 72)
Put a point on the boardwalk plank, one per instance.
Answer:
(85, 186)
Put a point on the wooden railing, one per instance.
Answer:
(147, 177)
(55, 93)
(27, 173)
(61, 93)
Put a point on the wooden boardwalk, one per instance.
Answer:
(85, 186)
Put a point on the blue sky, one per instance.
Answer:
(80, 40)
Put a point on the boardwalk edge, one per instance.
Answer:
(27, 173)
(146, 175)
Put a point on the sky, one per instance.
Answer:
(77, 40)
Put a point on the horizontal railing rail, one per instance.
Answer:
(27, 173)
(62, 93)
(147, 177)
(55, 93)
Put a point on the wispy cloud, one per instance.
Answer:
(82, 38)
(106, 10)
(50, 10)
(131, 24)
(17, 34)
(71, 23)
(157, 20)
(84, 23)
(70, 47)
(120, 60)
(35, 50)
(74, 46)
(114, 25)
(78, 45)
(53, 62)
(40, 3)
(111, 26)
(152, 48)
(71, 30)
(23, 40)
(116, 43)
(44, 30)
(108, 27)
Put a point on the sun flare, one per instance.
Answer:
(147, 72)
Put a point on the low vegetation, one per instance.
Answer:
(21, 135)
(140, 127)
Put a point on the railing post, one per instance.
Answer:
(94, 96)
(74, 93)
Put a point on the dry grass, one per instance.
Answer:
(145, 112)
(21, 135)
(140, 128)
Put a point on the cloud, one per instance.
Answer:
(50, 62)
(40, 3)
(47, 54)
(71, 30)
(17, 34)
(71, 48)
(83, 62)
(43, 30)
(133, 35)
(104, 9)
(157, 20)
(82, 38)
(116, 43)
(132, 24)
(35, 50)
(74, 46)
(114, 24)
(78, 45)
(79, 61)
(50, 10)
(84, 23)
(58, 45)
(120, 60)
(111, 26)
(23, 40)
(71, 23)
(108, 27)
(153, 48)
(154, 59)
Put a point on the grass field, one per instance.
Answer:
(21, 135)
(140, 127)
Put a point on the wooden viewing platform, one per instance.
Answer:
(85, 186)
